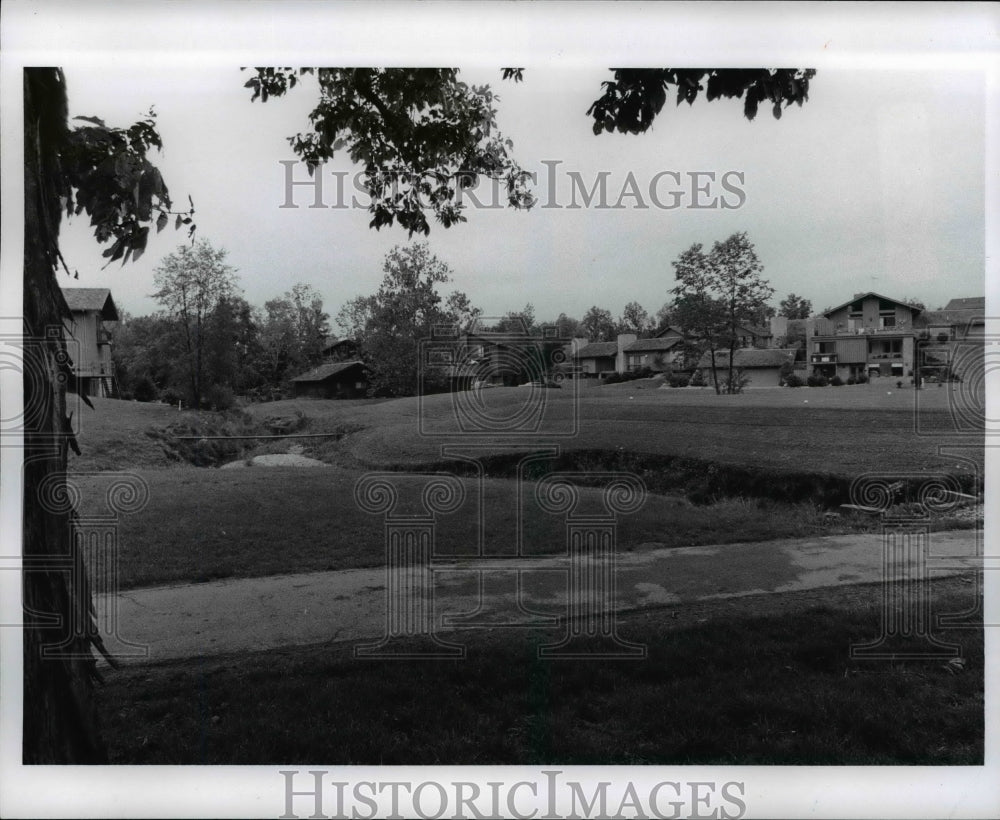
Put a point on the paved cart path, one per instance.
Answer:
(259, 613)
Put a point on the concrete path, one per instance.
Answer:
(161, 623)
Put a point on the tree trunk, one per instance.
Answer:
(59, 715)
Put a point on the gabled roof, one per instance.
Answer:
(332, 342)
(598, 350)
(861, 296)
(97, 299)
(748, 357)
(755, 330)
(967, 303)
(324, 371)
(642, 345)
(661, 333)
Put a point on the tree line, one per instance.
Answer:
(207, 344)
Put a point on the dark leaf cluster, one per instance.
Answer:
(633, 99)
(421, 135)
(111, 179)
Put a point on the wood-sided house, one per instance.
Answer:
(89, 339)
(333, 380)
(870, 335)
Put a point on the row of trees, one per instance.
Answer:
(208, 343)
(600, 325)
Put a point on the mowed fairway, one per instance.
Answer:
(842, 431)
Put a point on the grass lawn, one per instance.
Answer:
(830, 431)
(763, 680)
(838, 431)
(204, 524)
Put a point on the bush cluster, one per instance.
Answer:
(641, 373)
(793, 381)
(817, 380)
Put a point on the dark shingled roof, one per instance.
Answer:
(99, 299)
(324, 371)
(749, 357)
(598, 350)
(967, 303)
(642, 345)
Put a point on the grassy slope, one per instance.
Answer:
(706, 694)
(204, 524)
(842, 431)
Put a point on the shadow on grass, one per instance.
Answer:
(757, 682)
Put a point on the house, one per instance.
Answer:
(753, 336)
(339, 350)
(599, 358)
(869, 335)
(762, 367)
(90, 346)
(656, 353)
(333, 380)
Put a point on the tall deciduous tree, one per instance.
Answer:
(795, 307)
(103, 172)
(635, 319)
(191, 283)
(390, 324)
(718, 292)
(598, 325)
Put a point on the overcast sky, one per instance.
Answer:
(876, 183)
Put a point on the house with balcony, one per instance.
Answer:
(870, 335)
(89, 339)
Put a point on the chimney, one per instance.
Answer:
(624, 339)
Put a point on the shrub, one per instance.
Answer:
(836, 381)
(697, 379)
(817, 380)
(169, 395)
(793, 381)
(851, 380)
(899, 384)
(737, 381)
(942, 337)
(220, 397)
(862, 378)
(144, 389)
(678, 379)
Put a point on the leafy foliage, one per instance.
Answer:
(422, 136)
(635, 319)
(598, 325)
(109, 177)
(292, 331)
(717, 293)
(795, 307)
(191, 283)
(635, 97)
(390, 323)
